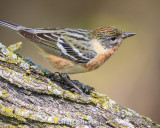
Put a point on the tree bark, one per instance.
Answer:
(31, 96)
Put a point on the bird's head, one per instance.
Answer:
(110, 36)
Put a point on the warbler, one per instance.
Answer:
(73, 50)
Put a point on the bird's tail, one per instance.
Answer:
(10, 25)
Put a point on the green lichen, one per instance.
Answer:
(15, 47)
(5, 95)
(3, 91)
(6, 111)
(11, 126)
(10, 112)
(56, 119)
(6, 68)
(147, 118)
(28, 71)
(69, 95)
(39, 81)
(103, 103)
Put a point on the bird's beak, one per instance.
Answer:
(125, 35)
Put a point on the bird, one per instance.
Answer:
(72, 51)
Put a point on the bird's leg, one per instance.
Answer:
(66, 78)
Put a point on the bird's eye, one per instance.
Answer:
(113, 38)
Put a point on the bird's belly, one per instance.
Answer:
(64, 65)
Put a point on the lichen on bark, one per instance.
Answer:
(31, 96)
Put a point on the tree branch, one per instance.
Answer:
(31, 96)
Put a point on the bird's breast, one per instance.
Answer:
(100, 59)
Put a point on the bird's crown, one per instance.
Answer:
(106, 31)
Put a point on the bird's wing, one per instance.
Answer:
(72, 44)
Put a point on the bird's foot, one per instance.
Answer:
(83, 89)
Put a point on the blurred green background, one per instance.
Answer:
(131, 76)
